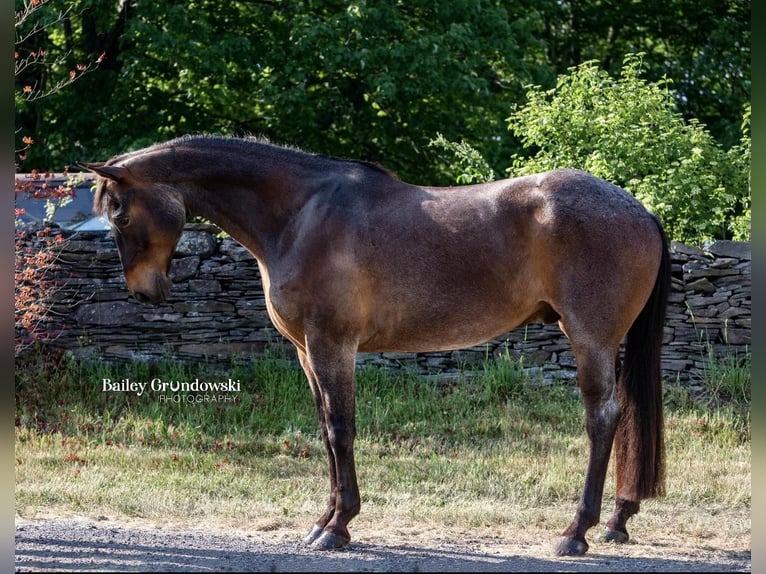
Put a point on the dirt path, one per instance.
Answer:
(80, 545)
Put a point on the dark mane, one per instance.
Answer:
(99, 198)
(244, 146)
(263, 141)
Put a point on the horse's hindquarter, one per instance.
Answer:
(603, 249)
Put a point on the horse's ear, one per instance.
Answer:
(113, 172)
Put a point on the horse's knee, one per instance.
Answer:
(597, 377)
(602, 418)
(341, 434)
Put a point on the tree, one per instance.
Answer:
(40, 73)
(373, 80)
(703, 45)
(43, 64)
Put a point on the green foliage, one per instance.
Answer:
(627, 130)
(727, 380)
(469, 165)
(377, 81)
(704, 47)
(738, 157)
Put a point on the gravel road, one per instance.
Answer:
(80, 545)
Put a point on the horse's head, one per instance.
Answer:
(147, 220)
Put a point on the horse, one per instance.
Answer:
(353, 259)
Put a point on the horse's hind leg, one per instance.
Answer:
(331, 375)
(616, 529)
(596, 379)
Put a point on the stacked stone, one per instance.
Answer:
(709, 309)
(216, 310)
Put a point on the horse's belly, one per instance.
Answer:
(422, 333)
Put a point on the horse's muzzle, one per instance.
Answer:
(156, 294)
(144, 298)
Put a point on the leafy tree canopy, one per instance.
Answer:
(372, 80)
(702, 45)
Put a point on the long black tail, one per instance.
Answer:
(639, 442)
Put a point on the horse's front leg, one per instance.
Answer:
(330, 370)
(596, 379)
(322, 521)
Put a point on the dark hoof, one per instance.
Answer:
(614, 536)
(329, 541)
(315, 533)
(570, 547)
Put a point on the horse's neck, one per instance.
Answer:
(251, 197)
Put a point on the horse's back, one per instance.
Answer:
(553, 221)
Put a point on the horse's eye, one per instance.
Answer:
(121, 219)
(119, 214)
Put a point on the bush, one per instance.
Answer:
(35, 268)
(628, 131)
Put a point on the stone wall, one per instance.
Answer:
(217, 310)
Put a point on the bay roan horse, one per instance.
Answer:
(353, 259)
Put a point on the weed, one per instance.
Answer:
(727, 379)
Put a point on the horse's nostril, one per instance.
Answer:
(140, 297)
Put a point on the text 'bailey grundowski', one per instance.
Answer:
(160, 386)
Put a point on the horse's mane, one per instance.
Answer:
(243, 145)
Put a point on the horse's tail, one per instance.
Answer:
(639, 441)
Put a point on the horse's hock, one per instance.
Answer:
(217, 309)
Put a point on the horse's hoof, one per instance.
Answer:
(614, 536)
(315, 533)
(570, 547)
(329, 541)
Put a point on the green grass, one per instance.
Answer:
(490, 450)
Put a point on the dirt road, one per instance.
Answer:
(80, 545)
